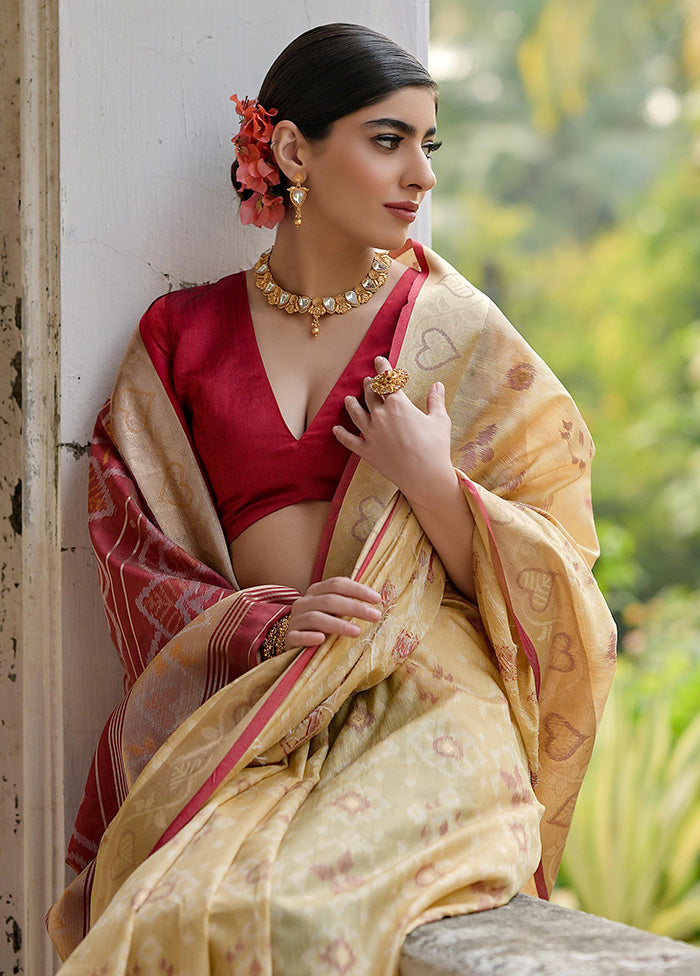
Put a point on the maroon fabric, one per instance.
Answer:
(152, 589)
(203, 345)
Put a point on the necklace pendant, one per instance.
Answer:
(314, 327)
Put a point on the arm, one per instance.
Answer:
(448, 522)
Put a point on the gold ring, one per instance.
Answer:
(391, 381)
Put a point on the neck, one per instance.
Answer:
(312, 264)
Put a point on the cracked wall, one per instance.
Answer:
(11, 880)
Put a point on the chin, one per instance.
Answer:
(390, 240)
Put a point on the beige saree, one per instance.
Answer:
(303, 815)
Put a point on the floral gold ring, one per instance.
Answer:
(391, 381)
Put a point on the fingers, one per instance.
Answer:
(313, 628)
(381, 364)
(351, 441)
(322, 609)
(436, 398)
(357, 413)
(346, 587)
(372, 399)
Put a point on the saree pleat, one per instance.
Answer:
(303, 815)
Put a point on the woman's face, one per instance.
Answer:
(368, 177)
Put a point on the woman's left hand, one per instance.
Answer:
(407, 446)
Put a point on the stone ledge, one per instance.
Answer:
(530, 937)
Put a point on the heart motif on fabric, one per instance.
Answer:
(175, 489)
(370, 508)
(561, 739)
(437, 350)
(135, 406)
(562, 658)
(563, 814)
(538, 584)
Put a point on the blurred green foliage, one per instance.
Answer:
(569, 191)
(634, 848)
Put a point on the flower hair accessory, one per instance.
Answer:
(257, 171)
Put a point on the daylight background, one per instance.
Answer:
(569, 191)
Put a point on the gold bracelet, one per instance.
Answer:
(274, 639)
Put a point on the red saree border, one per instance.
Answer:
(540, 883)
(258, 722)
(267, 709)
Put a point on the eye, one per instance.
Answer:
(431, 147)
(388, 141)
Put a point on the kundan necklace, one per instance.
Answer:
(316, 307)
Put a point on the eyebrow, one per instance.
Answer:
(398, 124)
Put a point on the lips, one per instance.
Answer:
(404, 210)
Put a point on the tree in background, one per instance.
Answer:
(569, 191)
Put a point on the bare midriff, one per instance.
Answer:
(280, 547)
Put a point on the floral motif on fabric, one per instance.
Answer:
(521, 376)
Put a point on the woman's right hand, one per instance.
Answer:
(320, 611)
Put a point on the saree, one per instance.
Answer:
(304, 814)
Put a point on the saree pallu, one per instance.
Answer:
(303, 815)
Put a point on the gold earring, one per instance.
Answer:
(297, 195)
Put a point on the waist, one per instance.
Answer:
(280, 547)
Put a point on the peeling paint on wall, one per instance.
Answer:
(16, 393)
(11, 852)
(77, 450)
(15, 517)
(13, 933)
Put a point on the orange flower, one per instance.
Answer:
(262, 211)
(256, 168)
(256, 121)
(254, 172)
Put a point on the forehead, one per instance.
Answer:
(415, 106)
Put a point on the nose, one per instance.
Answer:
(420, 173)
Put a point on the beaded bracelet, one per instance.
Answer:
(274, 639)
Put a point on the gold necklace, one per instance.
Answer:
(316, 307)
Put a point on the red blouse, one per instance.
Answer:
(202, 343)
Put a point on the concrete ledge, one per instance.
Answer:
(530, 937)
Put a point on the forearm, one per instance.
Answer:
(446, 519)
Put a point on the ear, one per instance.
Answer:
(290, 148)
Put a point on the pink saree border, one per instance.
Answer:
(262, 716)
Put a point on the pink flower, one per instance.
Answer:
(254, 172)
(262, 211)
(256, 122)
(257, 170)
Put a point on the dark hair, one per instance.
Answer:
(331, 71)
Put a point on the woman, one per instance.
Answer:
(365, 656)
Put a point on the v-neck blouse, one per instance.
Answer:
(203, 345)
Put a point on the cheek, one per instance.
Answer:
(358, 172)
